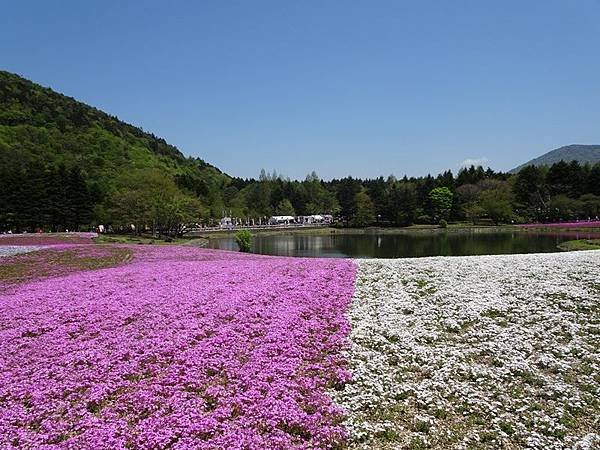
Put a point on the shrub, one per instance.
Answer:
(443, 223)
(242, 239)
(424, 218)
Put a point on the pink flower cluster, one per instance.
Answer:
(46, 238)
(579, 224)
(57, 259)
(182, 348)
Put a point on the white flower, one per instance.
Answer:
(458, 352)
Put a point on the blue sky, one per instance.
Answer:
(365, 88)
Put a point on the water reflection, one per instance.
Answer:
(406, 245)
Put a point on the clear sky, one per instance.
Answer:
(365, 88)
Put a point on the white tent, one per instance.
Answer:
(281, 219)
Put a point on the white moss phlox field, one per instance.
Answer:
(476, 352)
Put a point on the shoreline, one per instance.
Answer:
(203, 240)
(452, 228)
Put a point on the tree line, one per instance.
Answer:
(67, 165)
(563, 191)
(54, 198)
(36, 196)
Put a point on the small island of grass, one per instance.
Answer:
(580, 244)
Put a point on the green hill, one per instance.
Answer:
(45, 131)
(580, 153)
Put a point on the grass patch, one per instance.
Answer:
(424, 289)
(46, 263)
(129, 239)
(580, 244)
(493, 314)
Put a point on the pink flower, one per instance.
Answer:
(181, 348)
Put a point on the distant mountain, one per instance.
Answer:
(582, 153)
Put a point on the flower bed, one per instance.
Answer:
(46, 238)
(476, 352)
(578, 224)
(147, 347)
(25, 263)
(181, 348)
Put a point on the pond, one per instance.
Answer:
(405, 245)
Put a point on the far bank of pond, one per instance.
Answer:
(327, 230)
(407, 243)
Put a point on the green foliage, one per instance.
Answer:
(593, 181)
(496, 205)
(34, 196)
(529, 184)
(443, 223)
(589, 205)
(273, 195)
(566, 178)
(243, 239)
(563, 207)
(473, 211)
(441, 200)
(402, 200)
(46, 137)
(172, 213)
(285, 208)
(365, 211)
(258, 199)
(147, 197)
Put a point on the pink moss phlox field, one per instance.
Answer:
(182, 348)
(57, 260)
(46, 238)
(579, 224)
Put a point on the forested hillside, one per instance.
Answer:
(61, 161)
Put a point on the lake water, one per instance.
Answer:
(374, 245)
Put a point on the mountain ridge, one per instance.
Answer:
(583, 153)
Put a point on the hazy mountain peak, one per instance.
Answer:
(582, 153)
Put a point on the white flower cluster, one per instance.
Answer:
(11, 250)
(476, 352)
